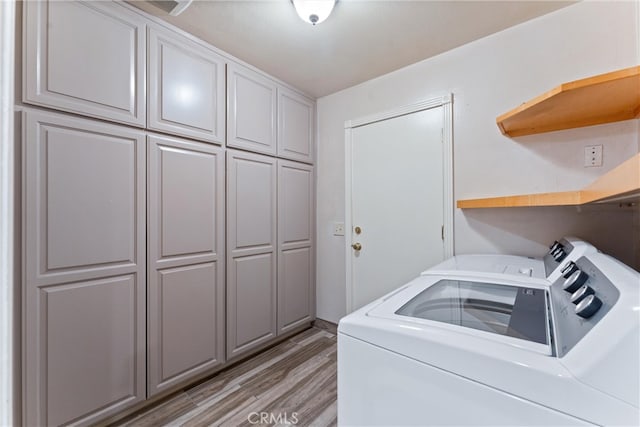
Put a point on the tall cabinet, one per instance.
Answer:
(167, 213)
(296, 290)
(270, 261)
(84, 247)
(270, 210)
(186, 260)
(252, 251)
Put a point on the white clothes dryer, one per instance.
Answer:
(452, 349)
(559, 260)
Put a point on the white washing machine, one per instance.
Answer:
(458, 350)
(560, 260)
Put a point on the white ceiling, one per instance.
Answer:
(361, 39)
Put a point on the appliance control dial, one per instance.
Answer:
(560, 255)
(569, 269)
(583, 292)
(574, 281)
(588, 306)
(555, 246)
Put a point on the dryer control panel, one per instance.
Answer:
(580, 298)
(558, 251)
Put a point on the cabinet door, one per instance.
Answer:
(251, 249)
(186, 87)
(252, 110)
(84, 284)
(85, 57)
(296, 272)
(186, 267)
(296, 118)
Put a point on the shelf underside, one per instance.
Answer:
(595, 100)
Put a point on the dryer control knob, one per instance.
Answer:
(569, 269)
(588, 306)
(555, 246)
(583, 292)
(574, 281)
(560, 255)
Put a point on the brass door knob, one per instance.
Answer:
(357, 246)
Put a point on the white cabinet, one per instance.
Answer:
(186, 260)
(268, 118)
(270, 265)
(186, 87)
(84, 283)
(296, 117)
(130, 287)
(85, 57)
(251, 251)
(252, 101)
(296, 272)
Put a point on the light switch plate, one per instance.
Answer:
(338, 228)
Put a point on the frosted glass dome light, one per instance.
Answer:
(314, 11)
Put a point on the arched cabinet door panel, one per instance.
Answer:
(186, 87)
(186, 260)
(84, 284)
(296, 118)
(252, 112)
(251, 251)
(87, 58)
(296, 265)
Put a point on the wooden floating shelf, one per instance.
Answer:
(618, 185)
(605, 98)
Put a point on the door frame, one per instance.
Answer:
(446, 102)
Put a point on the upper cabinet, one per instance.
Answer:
(92, 58)
(85, 57)
(252, 101)
(186, 87)
(604, 98)
(268, 118)
(295, 126)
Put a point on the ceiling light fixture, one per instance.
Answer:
(313, 11)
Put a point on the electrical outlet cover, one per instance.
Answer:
(592, 156)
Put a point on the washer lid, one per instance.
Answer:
(495, 311)
(500, 309)
(499, 265)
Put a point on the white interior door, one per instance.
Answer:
(399, 177)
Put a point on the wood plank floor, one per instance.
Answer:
(291, 383)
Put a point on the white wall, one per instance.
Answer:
(487, 78)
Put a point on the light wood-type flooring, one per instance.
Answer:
(293, 383)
